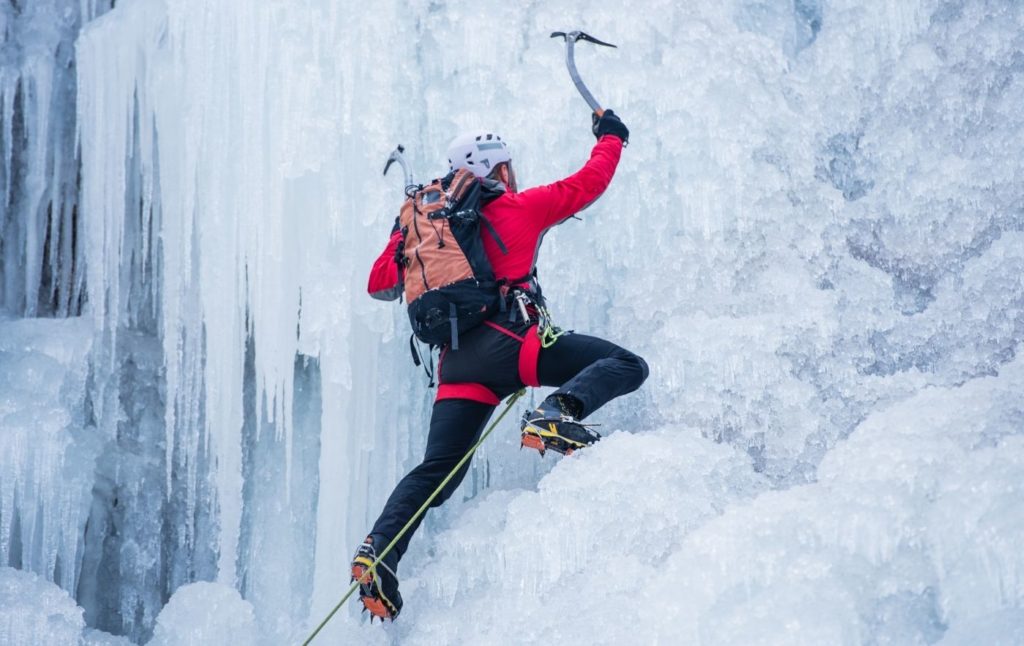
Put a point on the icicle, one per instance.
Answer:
(8, 88)
(36, 88)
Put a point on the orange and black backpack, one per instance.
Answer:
(450, 285)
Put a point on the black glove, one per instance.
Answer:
(610, 124)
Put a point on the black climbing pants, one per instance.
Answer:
(592, 370)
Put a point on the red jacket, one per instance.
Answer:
(520, 219)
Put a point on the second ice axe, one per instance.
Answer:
(397, 156)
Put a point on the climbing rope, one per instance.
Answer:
(419, 512)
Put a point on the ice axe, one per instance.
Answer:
(397, 156)
(570, 62)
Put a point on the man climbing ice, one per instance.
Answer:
(515, 347)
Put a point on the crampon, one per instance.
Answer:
(378, 586)
(548, 428)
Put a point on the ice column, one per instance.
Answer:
(233, 140)
(41, 271)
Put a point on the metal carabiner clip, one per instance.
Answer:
(521, 300)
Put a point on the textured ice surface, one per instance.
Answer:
(41, 267)
(912, 529)
(47, 455)
(35, 611)
(93, 637)
(205, 613)
(814, 238)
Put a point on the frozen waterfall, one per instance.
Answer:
(815, 238)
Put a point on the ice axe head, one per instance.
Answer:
(570, 44)
(573, 36)
(397, 156)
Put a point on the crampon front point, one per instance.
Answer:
(373, 600)
(560, 435)
(371, 585)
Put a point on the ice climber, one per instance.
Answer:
(506, 352)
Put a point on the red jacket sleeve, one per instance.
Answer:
(556, 202)
(386, 279)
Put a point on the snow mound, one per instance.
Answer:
(35, 611)
(911, 534)
(205, 613)
(92, 637)
(525, 565)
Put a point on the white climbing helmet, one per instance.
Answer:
(478, 152)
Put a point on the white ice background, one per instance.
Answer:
(815, 238)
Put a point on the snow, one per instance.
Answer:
(35, 611)
(814, 238)
(910, 531)
(92, 637)
(205, 613)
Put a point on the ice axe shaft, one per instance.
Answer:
(397, 156)
(570, 62)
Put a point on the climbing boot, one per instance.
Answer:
(553, 425)
(378, 586)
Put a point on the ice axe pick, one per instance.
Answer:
(397, 156)
(570, 62)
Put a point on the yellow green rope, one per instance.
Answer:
(423, 508)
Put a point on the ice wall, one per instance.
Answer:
(222, 222)
(820, 250)
(837, 231)
(818, 218)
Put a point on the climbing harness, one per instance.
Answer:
(526, 300)
(419, 512)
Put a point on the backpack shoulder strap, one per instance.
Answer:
(494, 234)
(461, 182)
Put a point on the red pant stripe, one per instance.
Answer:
(473, 392)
